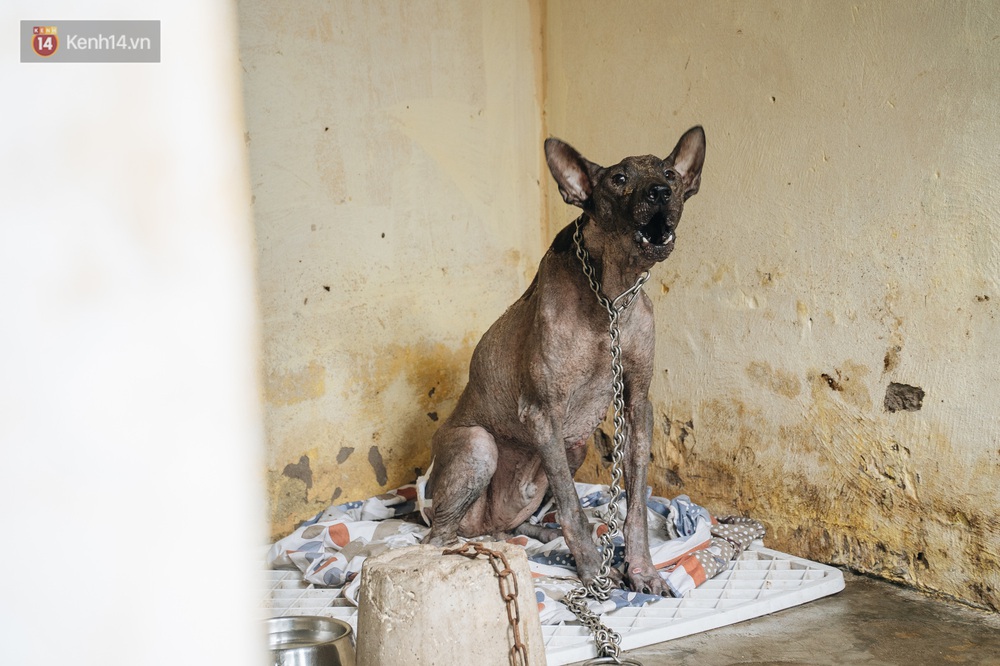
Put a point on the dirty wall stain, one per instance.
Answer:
(406, 391)
(378, 466)
(848, 380)
(398, 388)
(300, 471)
(778, 381)
(846, 490)
(287, 387)
(435, 372)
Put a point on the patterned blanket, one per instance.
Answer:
(687, 544)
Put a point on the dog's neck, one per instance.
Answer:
(616, 265)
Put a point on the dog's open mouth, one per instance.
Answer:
(657, 231)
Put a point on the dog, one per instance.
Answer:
(540, 379)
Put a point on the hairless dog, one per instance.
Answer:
(540, 380)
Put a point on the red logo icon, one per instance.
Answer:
(44, 41)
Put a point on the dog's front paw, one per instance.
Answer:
(646, 579)
(589, 579)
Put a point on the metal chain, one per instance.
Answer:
(508, 591)
(608, 641)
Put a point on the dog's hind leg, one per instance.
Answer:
(543, 534)
(465, 459)
(575, 455)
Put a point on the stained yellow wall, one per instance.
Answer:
(846, 236)
(394, 154)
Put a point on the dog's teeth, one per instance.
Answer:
(647, 240)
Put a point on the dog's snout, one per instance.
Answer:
(658, 194)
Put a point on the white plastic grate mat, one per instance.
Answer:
(761, 581)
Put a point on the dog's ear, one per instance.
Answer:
(688, 158)
(572, 172)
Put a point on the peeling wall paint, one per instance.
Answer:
(899, 397)
(838, 269)
(394, 152)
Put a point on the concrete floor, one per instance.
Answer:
(870, 622)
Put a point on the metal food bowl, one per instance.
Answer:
(307, 640)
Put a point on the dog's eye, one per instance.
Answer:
(671, 176)
(618, 179)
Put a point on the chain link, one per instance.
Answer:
(608, 641)
(507, 580)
